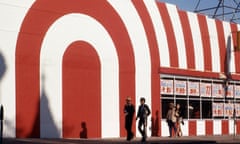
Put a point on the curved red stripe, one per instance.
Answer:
(188, 39)
(81, 91)
(172, 45)
(221, 44)
(236, 53)
(155, 63)
(206, 43)
(36, 23)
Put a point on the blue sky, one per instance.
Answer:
(190, 5)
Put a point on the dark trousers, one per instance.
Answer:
(128, 127)
(129, 133)
(171, 126)
(142, 127)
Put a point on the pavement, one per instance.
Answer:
(151, 140)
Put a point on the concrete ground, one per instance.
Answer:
(151, 140)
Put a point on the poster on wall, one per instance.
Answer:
(228, 109)
(217, 90)
(205, 89)
(237, 91)
(229, 91)
(167, 87)
(180, 87)
(193, 88)
(237, 108)
(217, 109)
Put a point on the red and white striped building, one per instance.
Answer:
(65, 62)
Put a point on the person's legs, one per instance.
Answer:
(140, 124)
(130, 130)
(175, 129)
(128, 134)
(144, 135)
(170, 128)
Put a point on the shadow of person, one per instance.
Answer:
(2, 72)
(83, 132)
(3, 66)
(155, 124)
(228, 58)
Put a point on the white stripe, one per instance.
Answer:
(135, 28)
(11, 17)
(197, 41)
(215, 51)
(238, 29)
(229, 45)
(217, 127)
(159, 31)
(185, 128)
(17, 3)
(231, 126)
(178, 33)
(12, 14)
(63, 32)
(200, 127)
(164, 128)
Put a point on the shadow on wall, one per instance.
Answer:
(227, 58)
(3, 69)
(35, 130)
(155, 124)
(9, 128)
(83, 132)
(3, 66)
(49, 128)
(44, 125)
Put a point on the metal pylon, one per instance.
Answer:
(226, 10)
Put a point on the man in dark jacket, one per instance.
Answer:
(142, 114)
(129, 111)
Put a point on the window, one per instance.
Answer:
(200, 98)
(194, 109)
(165, 106)
(183, 110)
(206, 108)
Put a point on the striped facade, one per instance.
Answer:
(65, 62)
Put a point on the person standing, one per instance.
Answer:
(171, 119)
(129, 111)
(142, 114)
(179, 120)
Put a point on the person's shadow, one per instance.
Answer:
(3, 68)
(155, 124)
(83, 132)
